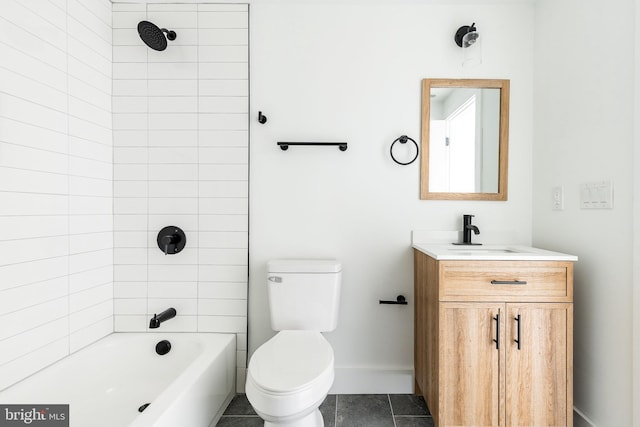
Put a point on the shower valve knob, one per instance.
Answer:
(171, 240)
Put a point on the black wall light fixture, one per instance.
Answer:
(468, 38)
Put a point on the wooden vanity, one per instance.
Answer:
(494, 336)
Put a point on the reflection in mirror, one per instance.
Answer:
(464, 139)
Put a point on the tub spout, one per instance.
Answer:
(169, 313)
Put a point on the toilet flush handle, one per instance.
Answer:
(275, 279)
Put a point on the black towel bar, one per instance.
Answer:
(341, 145)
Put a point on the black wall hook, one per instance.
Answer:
(262, 119)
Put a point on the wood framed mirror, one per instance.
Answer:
(465, 139)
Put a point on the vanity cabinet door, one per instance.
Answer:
(538, 380)
(471, 364)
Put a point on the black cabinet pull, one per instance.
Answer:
(508, 282)
(497, 340)
(519, 340)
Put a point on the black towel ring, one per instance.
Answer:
(403, 140)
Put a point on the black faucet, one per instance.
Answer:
(169, 313)
(467, 227)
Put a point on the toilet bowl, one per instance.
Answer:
(289, 377)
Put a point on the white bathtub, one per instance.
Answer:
(106, 382)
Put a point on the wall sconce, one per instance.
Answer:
(468, 38)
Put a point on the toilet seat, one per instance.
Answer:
(290, 375)
(291, 361)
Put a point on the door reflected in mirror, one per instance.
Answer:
(464, 139)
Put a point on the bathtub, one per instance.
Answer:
(107, 382)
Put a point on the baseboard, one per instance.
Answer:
(581, 420)
(372, 381)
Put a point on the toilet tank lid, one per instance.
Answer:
(304, 266)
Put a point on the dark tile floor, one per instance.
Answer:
(346, 410)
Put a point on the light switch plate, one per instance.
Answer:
(596, 195)
(558, 198)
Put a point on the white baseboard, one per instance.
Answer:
(581, 420)
(372, 381)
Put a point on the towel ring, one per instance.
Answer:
(403, 140)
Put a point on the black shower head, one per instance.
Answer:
(154, 36)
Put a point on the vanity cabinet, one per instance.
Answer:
(493, 341)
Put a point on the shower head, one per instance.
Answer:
(154, 36)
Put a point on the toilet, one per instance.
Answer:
(290, 375)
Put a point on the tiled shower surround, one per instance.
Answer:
(81, 205)
(180, 132)
(56, 247)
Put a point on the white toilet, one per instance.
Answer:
(290, 375)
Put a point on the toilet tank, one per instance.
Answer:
(304, 294)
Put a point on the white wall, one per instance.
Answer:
(636, 233)
(351, 71)
(181, 159)
(584, 130)
(55, 181)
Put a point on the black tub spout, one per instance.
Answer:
(169, 313)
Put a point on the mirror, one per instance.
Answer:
(465, 139)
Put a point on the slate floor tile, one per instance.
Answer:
(408, 404)
(364, 410)
(240, 421)
(346, 410)
(240, 406)
(414, 422)
(328, 410)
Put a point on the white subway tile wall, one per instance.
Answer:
(56, 200)
(180, 136)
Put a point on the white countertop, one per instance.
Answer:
(442, 251)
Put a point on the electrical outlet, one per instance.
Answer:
(558, 198)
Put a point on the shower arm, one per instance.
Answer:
(171, 35)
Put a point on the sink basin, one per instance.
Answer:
(481, 250)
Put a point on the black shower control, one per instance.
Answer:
(171, 240)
